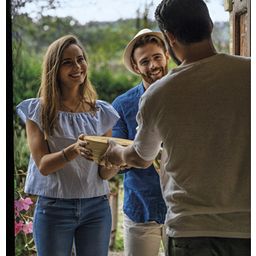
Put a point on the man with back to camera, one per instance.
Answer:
(200, 111)
(144, 207)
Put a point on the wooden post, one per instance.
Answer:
(113, 201)
(240, 27)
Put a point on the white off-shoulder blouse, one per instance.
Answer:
(78, 178)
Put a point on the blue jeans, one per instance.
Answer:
(61, 223)
(208, 246)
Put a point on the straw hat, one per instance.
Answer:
(128, 50)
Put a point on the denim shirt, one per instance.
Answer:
(143, 199)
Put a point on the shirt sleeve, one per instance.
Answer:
(120, 129)
(108, 116)
(30, 110)
(147, 142)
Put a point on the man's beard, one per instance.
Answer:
(173, 55)
(149, 79)
(170, 50)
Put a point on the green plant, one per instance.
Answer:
(21, 151)
(109, 84)
(26, 75)
(23, 205)
(23, 223)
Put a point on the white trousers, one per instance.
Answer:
(143, 239)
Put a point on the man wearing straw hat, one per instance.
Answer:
(200, 114)
(144, 207)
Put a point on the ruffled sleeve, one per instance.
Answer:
(108, 116)
(30, 109)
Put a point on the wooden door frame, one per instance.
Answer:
(240, 12)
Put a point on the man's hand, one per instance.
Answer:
(113, 155)
(123, 157)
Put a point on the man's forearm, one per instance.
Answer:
(123, 156)
(131, 158)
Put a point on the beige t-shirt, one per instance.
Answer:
(201, 114)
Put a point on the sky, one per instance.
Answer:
(111, 10)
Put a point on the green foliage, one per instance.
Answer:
(26, 75)
(21, 151)
(24, 243)
(109, 84)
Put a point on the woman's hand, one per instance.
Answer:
(81, 149)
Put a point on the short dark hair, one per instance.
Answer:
(188, 20)
(148, 39)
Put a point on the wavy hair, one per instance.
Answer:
(50, 89)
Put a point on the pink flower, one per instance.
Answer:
(28, 227)
(17, 213)
(22, 225)
(23, 204)
(18, 227)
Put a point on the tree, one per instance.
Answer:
(17, 5)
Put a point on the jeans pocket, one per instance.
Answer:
(44, 201)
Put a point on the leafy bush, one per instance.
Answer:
(23, 226)
(26, 75)
(23, 205)
(21, 150)
(110, 84)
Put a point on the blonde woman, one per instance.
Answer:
(72, 205)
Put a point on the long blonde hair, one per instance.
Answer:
(50, 90)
